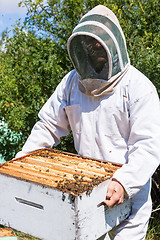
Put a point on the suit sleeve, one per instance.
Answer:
(143, 143)
(53, 123)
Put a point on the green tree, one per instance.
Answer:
(30, 71)
(35, 59)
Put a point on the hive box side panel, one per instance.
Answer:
(36, 210)
(94, 219)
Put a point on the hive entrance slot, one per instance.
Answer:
(29, 203)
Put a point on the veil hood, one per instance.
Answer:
(101, 25)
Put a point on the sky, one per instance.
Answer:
(9, 13)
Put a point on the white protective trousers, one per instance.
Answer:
(135, 227)
(122, 127)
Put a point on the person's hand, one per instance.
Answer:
(115, 194)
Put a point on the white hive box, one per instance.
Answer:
(55, 196)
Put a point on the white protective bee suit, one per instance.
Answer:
(113, 112)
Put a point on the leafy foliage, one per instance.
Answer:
(30, 70)
(9, 142)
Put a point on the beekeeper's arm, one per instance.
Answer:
(53, 122)
(143, 148)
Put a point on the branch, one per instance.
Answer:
(156, 184)
(43, 8)
(155, 210)
(141, 6)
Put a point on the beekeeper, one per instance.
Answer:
(113, 112)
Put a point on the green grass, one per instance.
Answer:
(153, 232)
(21, 235)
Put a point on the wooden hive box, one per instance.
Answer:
(54, 195)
